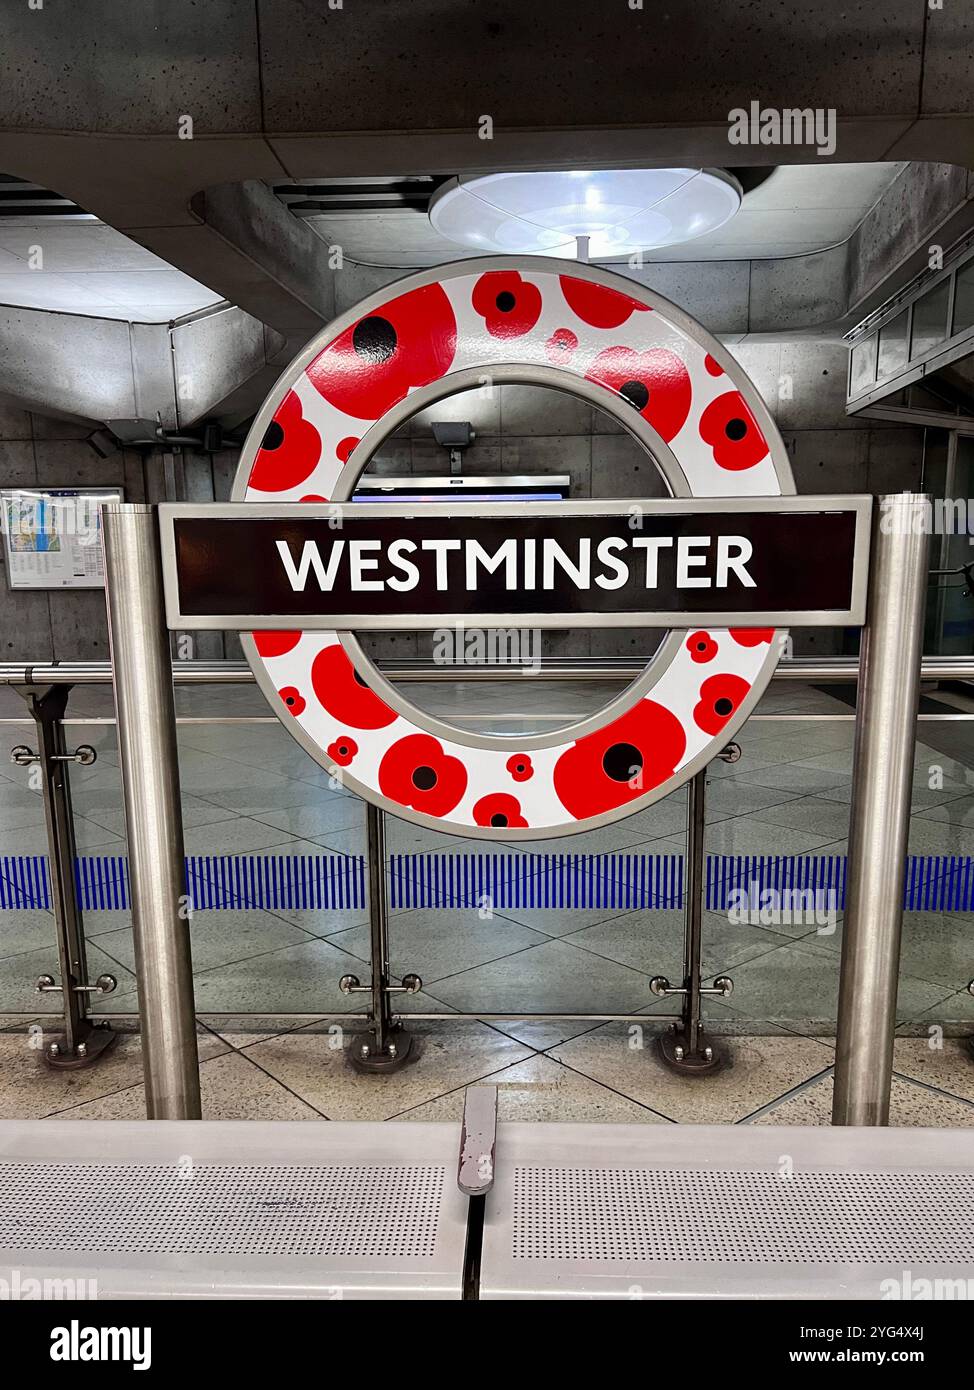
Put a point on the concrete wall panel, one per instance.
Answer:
(548, 62)
(812, 386)
(947, 60)
(137, 66)
(905, 218)
(715, 292)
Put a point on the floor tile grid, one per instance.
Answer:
(537, 1080)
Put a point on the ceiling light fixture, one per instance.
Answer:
(599, 215)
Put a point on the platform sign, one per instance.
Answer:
(725, 564)
(791, 561)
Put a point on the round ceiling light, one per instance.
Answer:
(619, 210)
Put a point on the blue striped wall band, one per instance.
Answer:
(336, 882)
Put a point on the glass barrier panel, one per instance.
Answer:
(276, 869)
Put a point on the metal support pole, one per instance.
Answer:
(696, 826)
(387, 1044)
(146, 719)
(686, 1049)
(82, 1041)
(882, 784)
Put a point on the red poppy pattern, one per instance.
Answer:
(620, 762)
(560, 346)
(520, 767)
(508, 305)
(719, 699)
(751, 636)
(343, 693)
(343, 750)
(372, 365)
(289, 451)
(701, 646)
(293, 699)
(501, 811)
(417, 772)
(656, 383)
(276, 643)
(586, 325)
(597, 305)
(728, 425)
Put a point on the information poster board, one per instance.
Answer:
(52, 536)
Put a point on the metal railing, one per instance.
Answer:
(818, 671)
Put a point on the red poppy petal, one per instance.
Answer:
(275, 643)
(344, 695)
(597, 304)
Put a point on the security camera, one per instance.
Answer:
(453, 434)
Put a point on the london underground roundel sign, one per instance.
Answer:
(715, 563)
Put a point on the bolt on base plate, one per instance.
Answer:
(675, 1054)
(93, 1046)
(363, 1056)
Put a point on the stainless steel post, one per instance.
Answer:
(685, 1048)
(387, 1044)
(696, 828)
(146, 719)
(882, 784)
(375, 835)
(82, 1041)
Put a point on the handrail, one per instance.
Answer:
(829, 669)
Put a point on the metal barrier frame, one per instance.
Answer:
(890, 671)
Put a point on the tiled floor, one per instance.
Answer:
(607, 1072)
(249, 789)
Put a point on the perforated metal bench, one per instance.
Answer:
(311, 1210)
(242, 1209)
(667, 1211)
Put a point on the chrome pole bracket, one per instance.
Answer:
(25, 757)
(351, 984)
(723, 987)
(105, 984)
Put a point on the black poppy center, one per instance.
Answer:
(374, 340)
(735, 429)
(622, 761)
(424, 779)
(273, 436)
(289, 700)
(636, 393)
(723, 706)
(498, 820)
(701, 646)
(343, 749)
(505, 301)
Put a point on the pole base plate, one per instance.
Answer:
(674, 1052)
(362, 1054)
(96, 1043)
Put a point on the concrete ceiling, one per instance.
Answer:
(84, 267)
(798, 209)
(285, 90)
